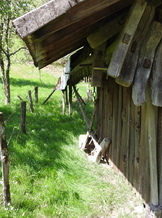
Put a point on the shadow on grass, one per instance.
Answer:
(48, 131)
(25, 82)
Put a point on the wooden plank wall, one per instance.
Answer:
(128, 127)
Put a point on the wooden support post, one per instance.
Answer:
(70, 100)
(30, 101)
(5, 163)
(63, 102)
(23, 117)
(49, 96)
(36, 94)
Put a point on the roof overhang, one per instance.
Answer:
(60, 27)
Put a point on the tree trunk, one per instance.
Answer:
(5, 163)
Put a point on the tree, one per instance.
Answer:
(9, 10)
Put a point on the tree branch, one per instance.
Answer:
(13, 53)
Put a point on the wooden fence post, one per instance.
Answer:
(63, 102)
(30, 101)
(70, 100)
(5, 163)
(23, 116)
(36, 94)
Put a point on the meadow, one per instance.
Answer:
(49, 176)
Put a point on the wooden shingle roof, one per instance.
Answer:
(60, 27)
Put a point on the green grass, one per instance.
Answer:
(49, 175)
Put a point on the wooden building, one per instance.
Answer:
(119, 46)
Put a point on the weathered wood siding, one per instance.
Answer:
(129, 127)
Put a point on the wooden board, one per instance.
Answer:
(137, 125)
(159, 152)
(107, 31)
(151, 116)
(37, 18)
(98, 61)
(129, 66)
(125, 38)
(156, 78)
(125, 132)
(115, 127)
(145, 62)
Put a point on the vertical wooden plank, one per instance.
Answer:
(137, 126)
(119, 125)
(152, 134)
(131, 143)
(5, 163)
(115, 154)
(125, 131)
(108, 97)
(159, 152)
(144, 163)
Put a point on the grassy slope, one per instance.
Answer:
(49, 175)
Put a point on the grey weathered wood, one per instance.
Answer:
(23, 117)
(98, 61)
(145, 62)
(37, 18)
(129, 66)
(151, 117)
(107, 31)
(125, 38)
(5, 163)
(156, 78)
(30, 101)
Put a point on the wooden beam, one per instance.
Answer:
(107, 31)
(125, 38)
(88, 10)
(145, 62)
(130, 63)
(98, 61)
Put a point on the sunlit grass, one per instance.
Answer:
(49, 175)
